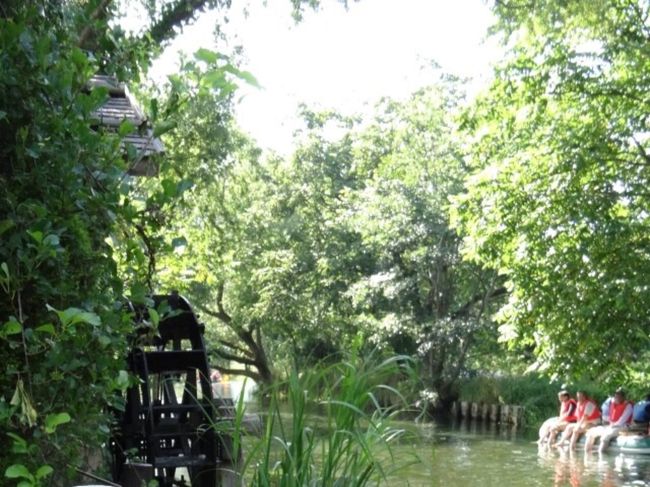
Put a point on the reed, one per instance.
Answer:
(335, 432)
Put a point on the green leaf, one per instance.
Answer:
(6, 225)
(27, 414)
(169, 188)
(122, 381)
(184, 185)
(153, 107)
(54, 420)
(19, 445)
(11, 327)
(44, 471)
(125, 128)
(207, 56)
(46, 328)
(215, 79)
(78, 57)
(52, 240)
(246, 76)
(72, 316)
(249, 78)
(154, 316)
(163, 127)
(36, 235)
(18, 470)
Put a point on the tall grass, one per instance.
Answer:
(335, 433)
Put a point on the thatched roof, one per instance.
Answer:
(119, 107)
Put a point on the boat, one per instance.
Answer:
(632, 443)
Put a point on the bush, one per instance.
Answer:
(61, 197)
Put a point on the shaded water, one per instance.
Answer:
(472, 454)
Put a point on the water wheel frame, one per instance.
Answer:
(170, 417)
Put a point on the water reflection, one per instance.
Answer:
(578, 469)
(485, 454)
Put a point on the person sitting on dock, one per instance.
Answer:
(595, 432)
(587, 414)
(620, 416)
(555, 425)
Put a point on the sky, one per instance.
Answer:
(341, 59)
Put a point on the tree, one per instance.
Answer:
(420, 297)
(558, 200)
(346, 244)
(257, 258)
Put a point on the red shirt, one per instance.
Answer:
(619, 411)
(592, 412)
(568, 410)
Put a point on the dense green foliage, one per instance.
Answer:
(61, 196)
(77, 231)
(344, 246)
(69, 215)
(558, 202)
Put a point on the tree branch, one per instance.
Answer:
(463, 311)
(235, 358)
(87, 31)
(233, 346)
(177, 14)
(220, 314)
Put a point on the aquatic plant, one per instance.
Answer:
(334, 433)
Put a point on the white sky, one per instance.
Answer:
(341, 59)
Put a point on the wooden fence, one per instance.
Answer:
(495, 413)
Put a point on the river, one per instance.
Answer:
(484, 456)
(479, 454)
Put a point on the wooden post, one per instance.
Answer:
(505, 413)
(517, 415)
(474, 410)
(464, 409)
(485, 412)
(494, 413)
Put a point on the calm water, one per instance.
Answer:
(483, 455)
(480, 455)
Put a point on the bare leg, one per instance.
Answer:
(609, 434)
(566, 434)
(589, 442)
(575, 437)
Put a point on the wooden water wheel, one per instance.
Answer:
(169, 417)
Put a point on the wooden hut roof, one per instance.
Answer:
(120, 107)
